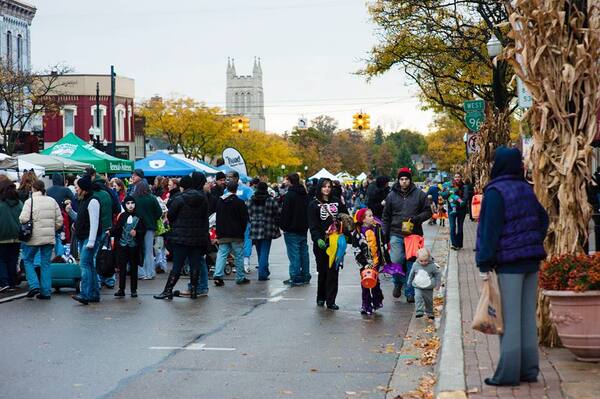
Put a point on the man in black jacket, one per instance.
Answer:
(232, 219)
(405, 205)
(188, 218)
(294, 224)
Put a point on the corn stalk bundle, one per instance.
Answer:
(556, 53)
(494, 132)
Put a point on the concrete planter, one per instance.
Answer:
(576, 316)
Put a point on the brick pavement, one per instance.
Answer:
(481, 351)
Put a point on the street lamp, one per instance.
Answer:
(494, 49)
(282, 170)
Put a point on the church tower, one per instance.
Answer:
(244, 94)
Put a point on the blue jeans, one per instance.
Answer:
(9, 256)
(263, 248)
(297, 251)
(247, 242)
(457, 220)
(202, 276)
(90, 289)
(29, 253)
(148, 263)
(59, 248)
(237, 247)
(398, 255)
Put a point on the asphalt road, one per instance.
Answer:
(262, 340)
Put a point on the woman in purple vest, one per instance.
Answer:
(510, 239)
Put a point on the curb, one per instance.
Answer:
(451, 366)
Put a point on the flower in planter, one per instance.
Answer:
(571, 273)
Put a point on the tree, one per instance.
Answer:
(25, 95)
(378, 136)
(382, 159)
(441, 46)
(325, 124)
(264, 151)
(352, 152)
(445, 144)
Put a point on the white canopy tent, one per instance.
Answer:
(344, 176)
(200, 166)
(324, 173)
(54, 163)
(12, 167)
(361, 177)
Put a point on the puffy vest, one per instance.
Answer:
(522, 238)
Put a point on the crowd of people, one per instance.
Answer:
(189, 218)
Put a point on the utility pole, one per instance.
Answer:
(113, 127)
(98, 106)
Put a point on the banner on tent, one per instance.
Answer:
(235, 160)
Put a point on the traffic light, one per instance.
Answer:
(361, 121)
(240, 124)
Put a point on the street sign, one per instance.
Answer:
(474, 105)
(302, 124)
(472, 143)
(474, 120)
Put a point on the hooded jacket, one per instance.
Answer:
(232, 217)
(58, 191)
(512, 224)
(263, 215)
(377, 195)
(321, 214)
(294, 210)
(188, 218)
(10, 210)
(401, 206)
(140, 228)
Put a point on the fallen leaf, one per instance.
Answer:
(314, 370)
(286, 392)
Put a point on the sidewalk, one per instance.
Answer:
(561, 376)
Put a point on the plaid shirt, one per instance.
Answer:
(264, 219)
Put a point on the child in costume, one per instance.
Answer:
(370, 250)
(441, 211)
(129, 237)
(424, 277)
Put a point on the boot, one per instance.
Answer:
(168, 291)
(194, 275)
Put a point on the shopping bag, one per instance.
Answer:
(105, 262)
(488, 315)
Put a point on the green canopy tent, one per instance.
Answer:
(72, 147)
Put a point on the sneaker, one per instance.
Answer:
(242, 281)
(378, 306)
(418, 315)
(410, 299)
(40, 296)
(321, 303)
(397, 293)
(33, 293)
(288, 281)
(431, 317)
(333, 306)
(134, 294)
(80, 299)
(203, 293)
(120, 293)
(247, 268)
(219, 282)
(365, 312)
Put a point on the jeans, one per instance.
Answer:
(202, 283)
(29, 252)
(160, 260)
(9, 256)
(263, 248)
(519, 357)
(90, 289)
(398, 255)
(148, 266)
(457, 220)
(237, 247)
(59, 248)
(247, 242)
(297, 251)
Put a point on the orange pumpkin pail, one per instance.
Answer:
(368, 277)
(476, 206)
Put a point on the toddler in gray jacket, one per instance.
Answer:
(424, 277)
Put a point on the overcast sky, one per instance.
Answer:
(309, 51)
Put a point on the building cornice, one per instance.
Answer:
(18, 9)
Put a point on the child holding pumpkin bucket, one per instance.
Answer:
(372, 254)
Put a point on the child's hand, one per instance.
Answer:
(133, 233)
(322, 244)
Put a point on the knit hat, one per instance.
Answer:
(405, 172)
(359, 216)
(186, 182)
(85, 183)
(220, 175)
(139, 172)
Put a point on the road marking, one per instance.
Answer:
(275, 299)
(277, 291)
(190, 347)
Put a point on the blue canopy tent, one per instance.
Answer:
(163, 164)
(226, 169)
